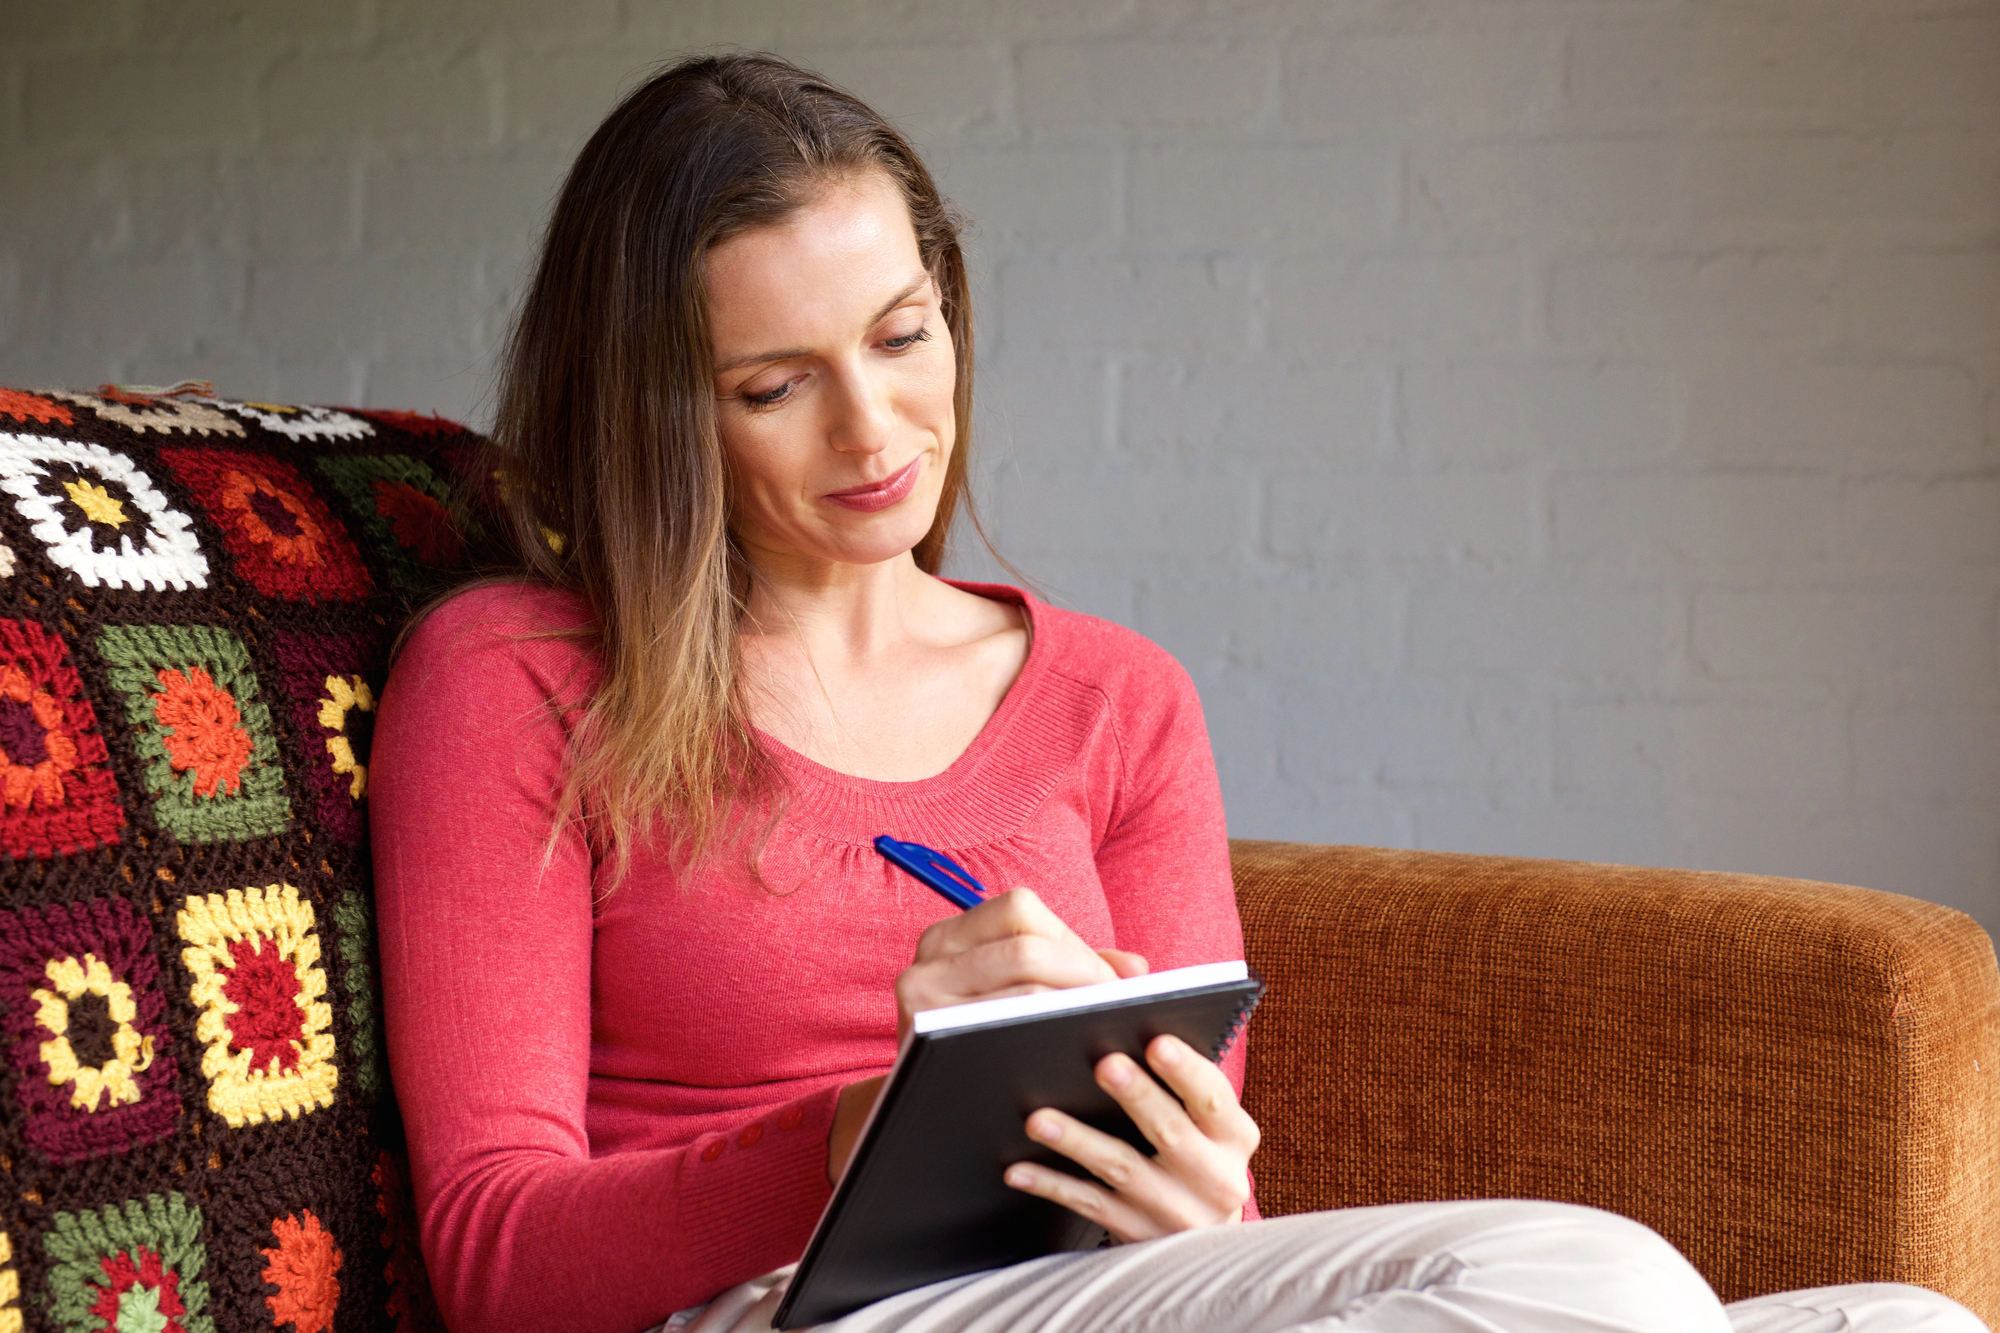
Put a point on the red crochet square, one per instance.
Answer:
(57, 794)
(283, 538)
(86, 1029)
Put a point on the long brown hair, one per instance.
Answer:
(613, 478)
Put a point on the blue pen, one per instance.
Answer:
(936, 870)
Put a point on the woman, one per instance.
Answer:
(644, 970)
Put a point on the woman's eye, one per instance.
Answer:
(771, 397)
(908, 340)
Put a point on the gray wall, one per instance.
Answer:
(1561, 428)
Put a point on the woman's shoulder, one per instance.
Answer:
(1124, 664)
(505, 628)
(507, 606)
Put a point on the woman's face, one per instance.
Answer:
(833, 379)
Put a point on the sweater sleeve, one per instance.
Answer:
(1164, 862)
(486, 938)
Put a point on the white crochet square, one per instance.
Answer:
(301, 423)
(99, 515)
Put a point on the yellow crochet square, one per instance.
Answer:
(254, 955)
(10, 1288)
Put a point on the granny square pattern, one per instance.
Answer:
(98, 514)
(254, 957)
(10, 1288)
(135, 1265)
(86, 1028)
(206, 741)
(329, 687)
(279, 534)
(56, 794)
(198, 596)
(302, 423)
(406, 509)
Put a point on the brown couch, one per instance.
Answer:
(1793, 1082)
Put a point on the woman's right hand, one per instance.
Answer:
(1011, 944)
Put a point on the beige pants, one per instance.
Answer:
(1479, 1266)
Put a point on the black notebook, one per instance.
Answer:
(923, 1199)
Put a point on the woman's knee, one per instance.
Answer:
(1486, 1233)
(1869, 1307)
(1478, 1263)
(1598, 1263)
(1518, 1230)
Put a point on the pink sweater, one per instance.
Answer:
(618, 1105)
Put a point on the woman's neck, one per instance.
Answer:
(839, 612)
(880, 671)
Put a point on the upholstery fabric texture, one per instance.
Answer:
(1793, 1082)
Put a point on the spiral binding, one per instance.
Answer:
(1244, 1009)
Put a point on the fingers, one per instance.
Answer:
(1206, 1097)
(1010, 965)
(1134, 1196)
(1199, 1174)
(1011, 944)
(1017, 912)
(1208, 1154)
(1087, 1200)
(1015, 963)
(1126, 963)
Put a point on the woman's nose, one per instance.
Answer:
(865, 421)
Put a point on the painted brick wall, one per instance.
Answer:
(1561, 428)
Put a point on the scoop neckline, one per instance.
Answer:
(990, 735)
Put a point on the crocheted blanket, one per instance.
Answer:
(196, 600)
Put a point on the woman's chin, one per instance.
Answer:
(850, 538)
(877, 552)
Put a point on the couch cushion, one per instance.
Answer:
(197, 596)
(1793, 1082)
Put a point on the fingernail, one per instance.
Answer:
(1020, 1177)
(1117, 1071)
(1167, 1051)
(1044, 1128)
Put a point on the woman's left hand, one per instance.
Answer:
(1201, 1175)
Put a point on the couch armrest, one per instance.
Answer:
(1793, 1082)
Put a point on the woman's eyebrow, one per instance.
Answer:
(758, 359)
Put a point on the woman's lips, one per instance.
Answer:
(880, 494)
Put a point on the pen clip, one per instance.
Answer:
(935, 869)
